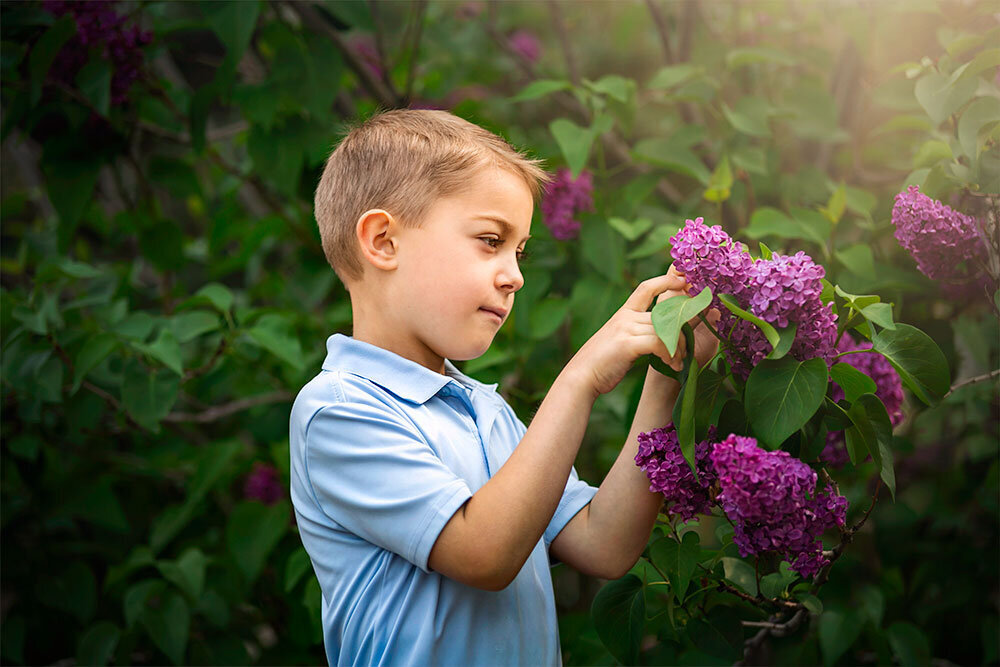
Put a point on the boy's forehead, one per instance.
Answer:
(506, 227)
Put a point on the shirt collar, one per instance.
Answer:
(403, 377)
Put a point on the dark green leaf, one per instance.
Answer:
(686, 425)
(45, 51)
(852, 381)
(168, 622)
(218, 295)
(677, 560)
(94, 82)
(786, 337)
(73, 590)
(774, 584)
(909, 645)
(603, 248)
(740, 573)
(189, 325)
(811, 602)
(275, 334)
(252, 531)
(296, 566)
(148, 395)
(547, 315)
(720, 634)
(167, 350)
(97, 645)
(619, 613)
(187, 572)
(781, 396)
(837, 632)
(574, 142)
(919, 361)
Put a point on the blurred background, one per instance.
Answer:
(164, 295)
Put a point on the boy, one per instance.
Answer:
(429, 511)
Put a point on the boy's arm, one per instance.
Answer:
(606, 538)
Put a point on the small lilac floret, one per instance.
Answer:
(264, 484)
(771, 499)
(660, 457)
(564, 198)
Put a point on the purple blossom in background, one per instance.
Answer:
(563, 199)
(98, 26)
(364, 45)
(945, 243)
(888, 388)
(660, 457)
(771, 499)
(526, 44)
(264, 484)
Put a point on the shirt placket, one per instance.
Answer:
(469, 418)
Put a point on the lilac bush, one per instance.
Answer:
(526, 44)
(771, 499)
(264, 484)
(564, 198)
(660, 457)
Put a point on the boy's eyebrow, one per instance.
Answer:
(507, 228)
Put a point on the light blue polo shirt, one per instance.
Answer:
(383, 452)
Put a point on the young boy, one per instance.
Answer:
(430, 512)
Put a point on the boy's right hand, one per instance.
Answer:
(604, 359)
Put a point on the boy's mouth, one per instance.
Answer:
(496, 311)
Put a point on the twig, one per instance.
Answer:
(192, 373)
(978, 378)
(421, 11)
(661, 29)
(564, 42)
(221, 411)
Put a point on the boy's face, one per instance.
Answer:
(461, 262)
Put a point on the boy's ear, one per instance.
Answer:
(376, 232)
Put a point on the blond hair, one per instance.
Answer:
(402, 161)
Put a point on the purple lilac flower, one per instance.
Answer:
(564, 198)
(771, 499)
(888, 388)
(526, 44)
(99, 26)
(364, 45)
(944, 243)
(660, 457)
(708, 257)
(781, 290)
(264, 484)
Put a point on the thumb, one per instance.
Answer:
(647, 290)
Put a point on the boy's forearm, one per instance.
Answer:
(515, 506)
(622, 513)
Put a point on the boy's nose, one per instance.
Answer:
(510, 277)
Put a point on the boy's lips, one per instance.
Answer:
(499, 312)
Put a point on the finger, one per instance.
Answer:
(646, 291)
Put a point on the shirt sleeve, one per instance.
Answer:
(373, 473)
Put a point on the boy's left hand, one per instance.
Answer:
(705, 342)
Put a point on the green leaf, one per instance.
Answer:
(750, 116)
(603, 249)
(786, 337)
(782, 395)
(774, 584)
(981, 113)
(168, 623)
(677, 560)
(919, 361)
(252, 531)
(931, 152)
(810, 602)
(134, 600)
(540, 88)
(880, 314)
(218, 295)
(93, 352)
(234, 23)
(873, 604)
(721, 183)
(137, 326)
(671, 314)
(275, 334)
(614, 86)
(547, 315)
(214, 461)
(167, 350)
(852, 381)
(96, 502)
(757, 54)
(45, 51)
(665, 153)
(630, 230)
(720, 634)
(940, 97)
(859, 259)
(871, 424)
(837, 632)
(732, 419)
(97, 645)
(73, 590)
(686, 425)
(71, 181)
(297, 565)
(189, 325)
(740, 573)
(770, 333)
(909, 644)
(765, 252)
(836, 205)
(619, 614)
(673, 75)
(148, 395)
(94, 82)
(767, 221)
(574, 142)
(187, 572)
(710, 387)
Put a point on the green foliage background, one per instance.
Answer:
(164, 295)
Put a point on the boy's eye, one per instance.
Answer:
(496, 243)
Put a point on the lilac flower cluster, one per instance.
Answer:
(945, 243)
(524, 43)
(888, 388)
(264, 484)
(771, 499)
(99, 26)
(564, 198)
(781, 290)
(660, 457)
